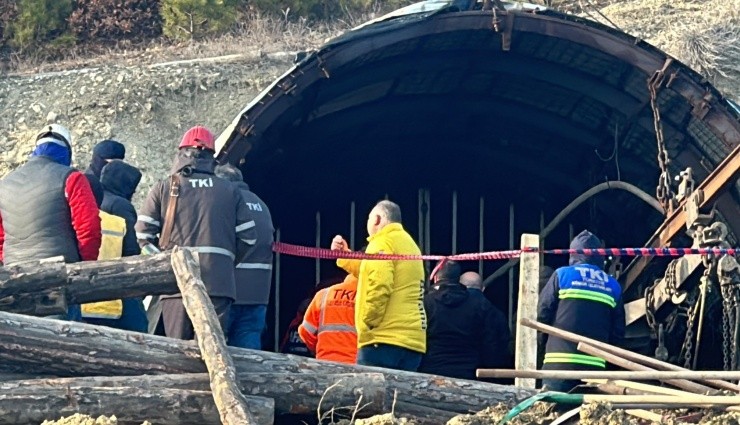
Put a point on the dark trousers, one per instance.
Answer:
(177, 323)
(389, 356)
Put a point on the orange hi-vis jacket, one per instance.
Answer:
(328, 327)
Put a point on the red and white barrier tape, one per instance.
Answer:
(328, 254)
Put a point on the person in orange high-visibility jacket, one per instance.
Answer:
(328, 327)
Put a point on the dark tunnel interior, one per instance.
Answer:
(425, 111)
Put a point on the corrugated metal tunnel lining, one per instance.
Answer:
(521, 108)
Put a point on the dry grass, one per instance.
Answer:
(258, 33)
(711, 44)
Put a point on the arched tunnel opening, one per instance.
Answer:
(482, 125)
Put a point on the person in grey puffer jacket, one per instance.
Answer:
(253, 275)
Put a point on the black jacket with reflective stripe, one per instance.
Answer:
(211, 217)
(36, 216)
(254, 272)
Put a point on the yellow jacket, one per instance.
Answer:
(389, 307)
(111, 246)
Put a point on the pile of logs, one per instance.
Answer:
(51, 368)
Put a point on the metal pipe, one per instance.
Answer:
(572, 206)
(318, 245)
(427, 221)
(419, 203)
(277, 295)
(511, 270)
(352, 224)
(454, 222)
(703, 288)
(481, 235)
(571, 232)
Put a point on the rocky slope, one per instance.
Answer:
(147, 108)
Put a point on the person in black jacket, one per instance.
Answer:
(208, 215)
(102, 153)
(120, 180)
(253, 275)
(463, 332)
(582, 299)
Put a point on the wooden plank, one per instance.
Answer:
(661, 375)
(711, 187)
(630, 365)
(645, 360)
(231, 404)
(529, 281)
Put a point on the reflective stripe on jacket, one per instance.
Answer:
(582, 299)
(328, 327)
(390, 294)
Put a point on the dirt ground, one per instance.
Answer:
(78, 419)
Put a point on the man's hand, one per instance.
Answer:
(339, 244)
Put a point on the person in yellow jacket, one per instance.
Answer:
(389, 306)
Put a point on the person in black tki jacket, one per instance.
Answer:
(464, 332)
(582, 299)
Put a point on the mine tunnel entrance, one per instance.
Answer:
(496, 118)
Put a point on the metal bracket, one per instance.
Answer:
(700, 108)
(686, 184)
(658, 78)
(508, 29)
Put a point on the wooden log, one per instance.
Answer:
(293, 393)
(49, 302)
(629, 355)
(40, 288)
(32, 276)
(129, 404)
(231, 404)
(630, 365)
(76, 349)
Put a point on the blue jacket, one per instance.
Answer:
(585, 300)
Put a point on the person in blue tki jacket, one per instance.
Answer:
(583, 299)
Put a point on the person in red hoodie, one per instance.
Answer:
(47, 208)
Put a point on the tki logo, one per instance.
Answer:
(196, 183)
(254, 207)
(593, 274)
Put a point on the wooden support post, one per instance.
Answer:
(129, 404)
(529, 280)
(231, 404)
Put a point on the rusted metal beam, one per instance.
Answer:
(711, 188)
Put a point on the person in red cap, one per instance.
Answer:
(195, 209)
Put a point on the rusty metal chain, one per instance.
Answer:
(687, 348)
(733, 325)
(664, 192)
(726, 306)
